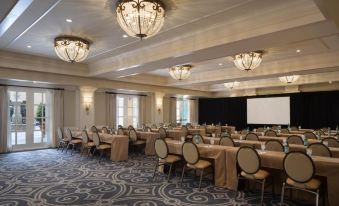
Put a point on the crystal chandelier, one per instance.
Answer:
(71, 49)
(140, 18)
(231, 85)
(248, 61)
(289, 79)
(180, 72)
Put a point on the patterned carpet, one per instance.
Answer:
(49, 177)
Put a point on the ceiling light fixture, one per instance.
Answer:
(29, 46)
(220, 64)
(231, 85)
(298, 50)
(180, 72)
(125, 35)
(289, 79)
(248, 61)
(71, 49)
(69, 20)
(140, 18)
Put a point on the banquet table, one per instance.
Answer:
(266, 138)
(150, 138)
(119, 144)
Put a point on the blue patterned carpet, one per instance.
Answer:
(49, 177)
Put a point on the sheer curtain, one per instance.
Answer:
(142, 110)
(173, 110)
(111, 110)
(193, 110)
(5, 138)
(57, 113)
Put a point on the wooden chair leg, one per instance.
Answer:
(101, 153)
(155, 169)
(262, 191)
(182, 175)
(201, 173)
(282, 194)
(67, 147)
(169, 172)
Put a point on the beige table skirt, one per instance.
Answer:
(119, 144)
(150, 138)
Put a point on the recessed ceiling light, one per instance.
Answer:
(69, 20)
(330, 82)
(125, 35)
(29, 46)
(220, 64)
(298, 50)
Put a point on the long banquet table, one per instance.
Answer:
(119, 144)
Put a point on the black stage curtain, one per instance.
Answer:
(308, 110)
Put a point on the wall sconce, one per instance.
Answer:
(159, 108)
(87, 103)
(159, 104)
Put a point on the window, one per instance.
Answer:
(17, 113)
(127, 110)
(183, 115)
(39, 117)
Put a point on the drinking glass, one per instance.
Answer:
(213, 134)
(212, 141)
(263, 146)
(183, 139)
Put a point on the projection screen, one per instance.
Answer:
(274, 110)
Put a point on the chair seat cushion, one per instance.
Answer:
(104, 146)
(201, 164)
(172, 158)
(90, 144)
(260, 175)
(313, 184)
(139, 142)
(76, 141)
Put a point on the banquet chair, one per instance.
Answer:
(161, 150)
(72, 141)
(319, 131)
(275, 127)
(271, 133)
(162, 132)
(332, 142)
(197, 139)
(218, 131)
(154, 126)
(121, 131)
(94, 129)
(249, 162)
(274, 145)
(191, 155)
(294, 129)
(310, 135)
(244, 132)
(105, 130)
(207, 132)
(100, 146)
(260, 129)
(184, 130)
(130, 127)
(63, 142)
(86, 143)
(300, 170)
(226, 141)
(134, 141)
(252, 137)
(319, 149)
(295, 139)
(148, 129)
(285, 131)
(225, 134)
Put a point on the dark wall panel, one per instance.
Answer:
(309, 110)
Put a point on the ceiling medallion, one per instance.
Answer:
(289, 79)
(180, 72)
(140, 18)
(248, 61)
(231, 85)
(71, 49)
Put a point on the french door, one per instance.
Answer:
(29, 119)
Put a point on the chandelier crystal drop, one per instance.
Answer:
(180, 72)
(140, 18)
(289, 79)
(231, 85)
(71, 49)
(248, 61)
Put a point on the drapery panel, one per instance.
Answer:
(58, 114)
(111, 110)
(193, 110)
(142, 110)
(173, 110)
(5, 139)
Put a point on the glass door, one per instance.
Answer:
(29, 118)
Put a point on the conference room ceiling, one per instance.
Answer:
(204, 33)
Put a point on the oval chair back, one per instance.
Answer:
(260, 129)
(130, 127)
(190, 153)
(244, 131)
(197, 139)
(161, 148)
(310, 135)
(60, 134)
(154, 126)
(299, 167)
(85, 137)
(248, 160)
(295, 139)
(294, 129)
(285, 131)
(227, 141)
(332, 142)
(105, 130)
(148, 129)
(319, 131)
(120, 131)
(275, 127)
(94, 129)
(252, 137)
(162, 132)
(274, 145)
(184, 130)
(319, 149)
(96, 138)
(271, 133)
(69, 134)
(133, 135)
